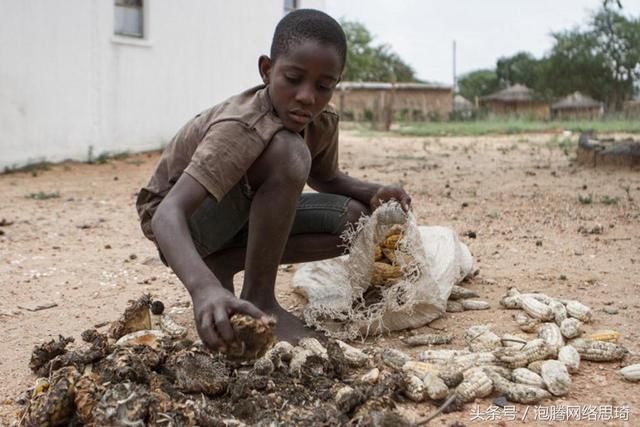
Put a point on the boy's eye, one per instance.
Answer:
(292, 79)
(325, 88)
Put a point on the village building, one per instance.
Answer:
(361, 101)
(515, 101)
(81, 78)
(632, 108)
(577, 106)
(462, 107)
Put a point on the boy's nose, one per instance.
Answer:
(305, 95)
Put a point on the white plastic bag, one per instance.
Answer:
(334, 288)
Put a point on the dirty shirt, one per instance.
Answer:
(218, 146)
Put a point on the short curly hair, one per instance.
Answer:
(308, 24)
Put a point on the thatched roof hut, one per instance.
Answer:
(577, 106)
(517, 100)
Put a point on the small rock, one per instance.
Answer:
(610, 310)
(500, 401)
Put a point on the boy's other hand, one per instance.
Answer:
(212, 308)
(390, 192)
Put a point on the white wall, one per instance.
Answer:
(67, 83)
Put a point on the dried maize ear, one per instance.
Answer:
(598, 351)
(454, 307)
(171, 328)
(414, 388)
(394, 359)
(528, 377)
(395, 230)
(371, 377)
(504, 372)
(535, 308)
(382, 273)
(571, 328)
(525, 322)
(570, 357)
(420, 369)
(451, 374)
(512, 291)
(481, 338)
(355, 357)
(559, 311)
(579, 311)
(512, 340)
(435, 387)
(550, 333)
(631, 372)
(428, 339)
(377, 255)
(440, 356)
(543, 298)
(314, 346)
(511, 302)
(391, 242)
(475, 304)
(475, 359)
(460, 292)
(389, 255)
(608, 335)
(518, 358)
(476, 384)
(520, 393)
(536, 366)
(556, 377)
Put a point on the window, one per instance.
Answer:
(290, 5)
(129, 18)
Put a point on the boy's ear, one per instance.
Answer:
(264, 67)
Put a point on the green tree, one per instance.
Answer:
(478, 83)
(366, 62)
(521, 68)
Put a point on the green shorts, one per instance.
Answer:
(221, 225)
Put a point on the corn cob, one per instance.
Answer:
(535, 308)
(454, 307)
(394, 358)
(512, 291)
(355, 357)
(377, 255)
(598, 351)
(279, 354)
(476, 384)
(301, 358)
(536, 366)
(525, 322)
(440, 356)
(420, 369)
(414, 388)
(519, 393)
(559, 311)
(475, 359)
(264, 366)
(451, 374)
(570, 357)
(389, 255)
(435, 387)
(174, 330)
(528, 377)
(511, 302)
(459, 292)
(556, 377)
(391, 242)
(428, 339)
(480, 338)
(550, 333)
(571, 328)
(347, 398)
(511, 340)
(631, 372)
(605, 335)
(543, 298)
(505, 373)
(314, 346)
(383, 273)
(395, 229)
(371, 377)
(519, 358)
(579, 311)
(150, 337)
(475, 304)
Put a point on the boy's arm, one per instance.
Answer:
(212, 303)
(368, 193)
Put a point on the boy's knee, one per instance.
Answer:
(355, 210)
(286, 161)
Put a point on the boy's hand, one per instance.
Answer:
(212, 308)
(390, 192)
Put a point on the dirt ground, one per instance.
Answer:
(83, 251)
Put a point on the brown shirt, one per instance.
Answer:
(218, 146)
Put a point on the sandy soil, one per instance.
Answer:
(84, 252)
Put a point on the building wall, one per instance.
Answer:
(413, 104)
(632, 109)
(536, 110)
(583, 113)
(68, 85)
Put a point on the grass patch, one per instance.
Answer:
(41, 195)
(608, 200)
(33, 168)
(513, 126)
(585, 200)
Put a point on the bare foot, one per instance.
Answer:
(289, 327)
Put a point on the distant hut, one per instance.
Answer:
(577, 106)
(410, 101)
(462, 107)
(632, 109)
(518, 101)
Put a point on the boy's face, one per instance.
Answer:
(301, 82)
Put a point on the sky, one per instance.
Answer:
(422, 31)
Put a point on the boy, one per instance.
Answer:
(226, 194)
